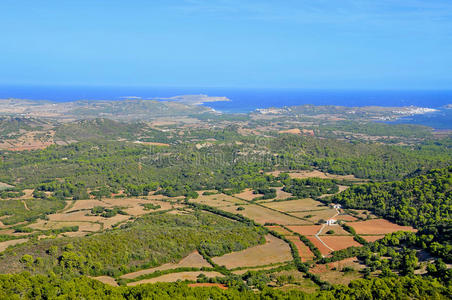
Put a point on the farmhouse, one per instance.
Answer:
(331, 222)
(337, 206)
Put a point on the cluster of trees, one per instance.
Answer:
(107, 212)
(16, 211)
(104, 166)
(380, 129)
(149, 241)
(26, 286)
(11, 193)
(364, 160)
(62, 190)
(267, 193)
(310, 187)
(424, 202)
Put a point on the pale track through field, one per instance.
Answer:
(321, 228)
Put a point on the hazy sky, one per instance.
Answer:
(235, 43)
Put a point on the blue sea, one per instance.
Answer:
(246, 100)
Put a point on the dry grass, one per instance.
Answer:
(281, 195)
(378, 226)
(347, 218)
(247, 195)
(218, 200)
(243, 271)
(12, 232)
(296, 205)
(78, 216)
(192, 260)
(106, 279)
(172, 277)
(292, 131)
(317, 215)
(264, 215)
(338, 230)
(4, 186)
(335, 276)
(86, 204)
(206, 284)
(300, 282)
(6, 244)
(28, 194)
(306, 230)
(273, 251)
(109, 222)
(83, 226)
(279, 230)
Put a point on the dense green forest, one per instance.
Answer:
(117, 165)
(424, 202)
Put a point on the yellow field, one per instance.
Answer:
(218, 200)
(83, 226)
(6, 244)
(264, 215)
(106, 279)
(273, 251)
(296, 205)
(324, 214)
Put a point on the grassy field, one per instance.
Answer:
(273, 251)
(264, 215)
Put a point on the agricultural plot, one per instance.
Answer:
(281, 195)
(106, 280)
(264, 215)
(273, 251)
(346, 218)
(83, 226)
(243, 271)
(339, 242)
(206, 284)
(303, 250)
(305, 230)
(279, 230)
(300, 205)
(316, 216)
(172, 277)
(6, 244)
(378, 226)
(193, 260)
(324, 250)
(316, 174)
(333, 272)
(247, 195)
(333, 230)
(218, 200)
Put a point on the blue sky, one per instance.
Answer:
(399, 44)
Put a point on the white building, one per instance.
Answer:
(331, 222)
